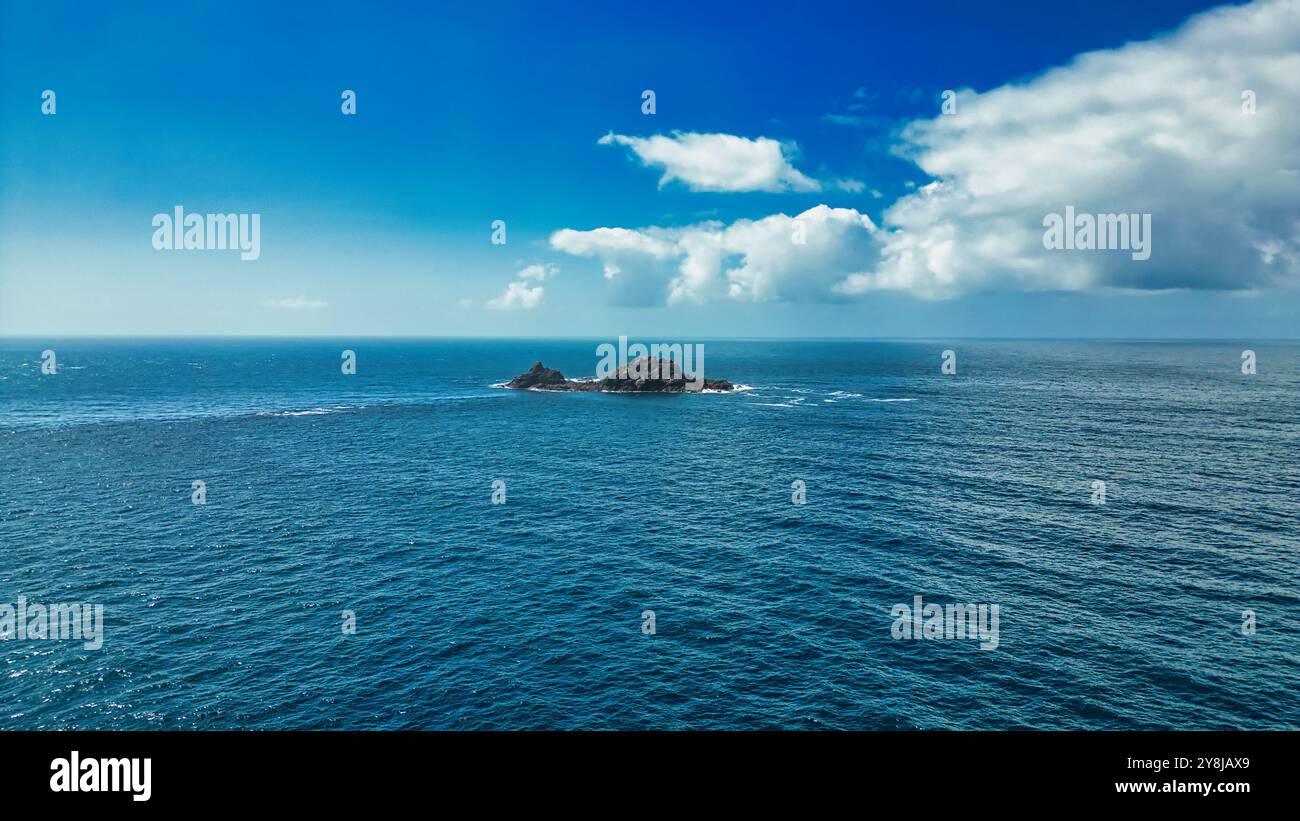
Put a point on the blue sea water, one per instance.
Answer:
(372, 493)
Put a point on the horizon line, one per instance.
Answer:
(635, 337)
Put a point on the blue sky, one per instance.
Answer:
(380, 223)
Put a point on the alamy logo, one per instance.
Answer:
(638, 361)
(55, 622)
(1099, 232)
(953, 621)
(179, 231)
(77, 774)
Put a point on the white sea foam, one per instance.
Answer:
(307, 412)
(786, 399)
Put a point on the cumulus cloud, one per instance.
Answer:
(539, 271)
(298, 303)
(778, 257)
(519, 295)
(1154, 127)
(719, 162)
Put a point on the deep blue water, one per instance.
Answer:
(372, 493)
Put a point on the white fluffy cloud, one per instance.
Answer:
(775, 258)
(719, 162)
(539, 271)
(519, 295)
(1153, 127)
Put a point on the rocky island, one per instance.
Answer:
(641, 375)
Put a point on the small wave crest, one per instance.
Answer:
(306, 412)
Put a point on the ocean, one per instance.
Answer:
(718, 561)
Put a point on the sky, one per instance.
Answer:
(803, 173)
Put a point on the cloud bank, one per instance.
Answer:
(1155, 127)
(775, 258)
(1163, 127)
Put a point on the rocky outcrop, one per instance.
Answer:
(537, 376)
(641, 375)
